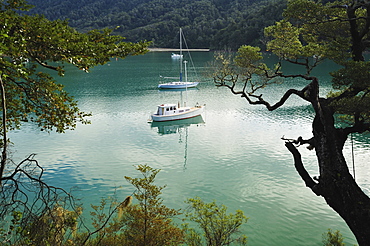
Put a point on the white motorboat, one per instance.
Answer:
(169, 112)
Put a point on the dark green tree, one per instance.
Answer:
(218, 227)
(213, 24)
(310, 33)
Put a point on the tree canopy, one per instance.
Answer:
(310, 33)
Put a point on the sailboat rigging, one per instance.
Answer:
(179, 84)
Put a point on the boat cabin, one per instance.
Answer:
(168, 112)
(169, 109)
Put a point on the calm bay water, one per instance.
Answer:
(235, 157)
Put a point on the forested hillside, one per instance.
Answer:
(214, 24)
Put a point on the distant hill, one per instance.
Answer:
(214, 24)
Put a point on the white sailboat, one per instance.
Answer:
(169, 112)
(178, 84)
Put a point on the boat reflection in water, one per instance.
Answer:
(169, 127)
(181, 127)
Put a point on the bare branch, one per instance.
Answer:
(24, 191)
(300, 141)
(231, 76)
(308, 93)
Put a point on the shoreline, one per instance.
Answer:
(175, 50)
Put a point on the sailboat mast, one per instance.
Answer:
(186, 84)
(180, 55)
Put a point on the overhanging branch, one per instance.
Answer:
(359, 127)
(310, 183)
(45, 64)
(309, 93)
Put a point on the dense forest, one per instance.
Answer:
(214, 24)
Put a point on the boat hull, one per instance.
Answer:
(178, 85)
(193, 112)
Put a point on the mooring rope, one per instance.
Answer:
(353, 159)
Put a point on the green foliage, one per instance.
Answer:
(12, 229)
(332, 238)
(192, 237)
(248, 56)
(218, 227)
(27, 42)
(100, 216)
(322, 28)
(51, 227)
(150, 222)
(251, 59)
(353, 78)
(285, 42)
(310, 33)
(145, 223)
(354, 75)
(326, 29)
(107, 231)
(244, 71)
(313, 29)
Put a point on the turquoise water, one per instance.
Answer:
(233, 154)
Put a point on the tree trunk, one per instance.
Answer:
(357, 43)
(335, 184)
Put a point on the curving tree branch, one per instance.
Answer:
(310, 183)
(308, 93)
(4, 129)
